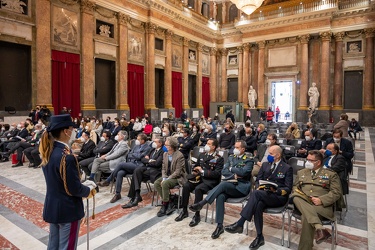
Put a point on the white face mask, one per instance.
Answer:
(178, 129)
(137, 142)
(309, 165)
(154, 145)
(207, 148)
(206, 130)
(136, 120)
(164, 134)
(102, 138)
(116, 137)
(116, 124)
(19, 126)
(11, 128)
(43, 126)
(35, 131)
(236, 152)
(308, 138)
(72, 137)
(82, 139)
(194, 130)
(2, 129)
(336, 140)
(268, 142)
(80, 126)
(87, 127)
(97, 122)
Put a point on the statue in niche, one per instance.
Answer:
(314, 96)
(13, 5)
(191, 55)
(105, 30)
(252, 96)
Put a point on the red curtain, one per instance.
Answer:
(206, 95)
(66, 82)
(136, 96)
(177, 93)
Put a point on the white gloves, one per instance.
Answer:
(89, 184)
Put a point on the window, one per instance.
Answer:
(159, 44)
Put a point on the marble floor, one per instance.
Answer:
(22, 227)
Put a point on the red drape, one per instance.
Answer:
(136, 96)
(177, 93)
(66, 82)
(206, 95)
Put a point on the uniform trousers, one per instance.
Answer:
(221, 193)
(258, 201)
(63, 235)
(199, 188)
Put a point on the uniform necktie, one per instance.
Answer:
(313, 173)
(273, 168)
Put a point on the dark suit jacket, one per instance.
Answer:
(282, 176)
(114, 131)
(154, 167)
(103, 147)
(340, 166)
(206, 136)
(347, 150)
(212, 165)
(310, 145)
(186, 144)
(59, 207)
(86, 150)
(22, 133)
(251, 143)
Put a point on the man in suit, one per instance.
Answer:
(315, 191)
(122, 169)
(336, 162)
(310, 143)
(275, 171)
(87, 147)
(250, 139)
(103, 147)
(205, 176)
(207, 134)
(262, 153)
(35, 115)
(173, 173)
(186, 143)
(346, 147)
(237, 173)
(108, 162)
(150, 171)
(227, 139)
(17, 135)
(354, 128)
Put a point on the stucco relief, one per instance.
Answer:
(136, 46)
(65, 27)
(176, 56)
(205, 64)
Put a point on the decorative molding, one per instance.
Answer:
(185, 42)
(213, 51)
(150, 28)
(246, 47)
(325, 36)
(224, 52)
(105, 12)
(261, 44)
(88, 6)
(370, 32)
(122, 18)
(69, 2)
(168, 34)
(339, 36)
(200, 47)
(240, 49)
(304, 38)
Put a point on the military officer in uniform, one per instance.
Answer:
(236, 184)
(315, 191)
(205, 176)
(185, 142)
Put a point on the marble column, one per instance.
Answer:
(42, 60)
(150, 66)
(261, 45)
(240, 76)
(324, 71)
(338, 84)
(87, 55)
(199, 76)
(213, 74)
(168, 70)
(368, 86)
(245, 75)
(185, 74)
(304, 81)
(122, 87)
(224, 81)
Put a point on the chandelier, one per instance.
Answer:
(248, 6)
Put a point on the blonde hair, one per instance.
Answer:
(46, 147)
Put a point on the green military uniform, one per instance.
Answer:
(325, 185)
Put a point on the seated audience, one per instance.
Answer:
(173, 174)
(195, 134)
(17, 135)
(115, 129)
(310, 143)
(237, 173)
(207, 134)
(261, 134)
(227, 139)
(87, 147)
(98, 127)
(250, 139)
(148, 128)
(263, 152)
(137, 128)
(206, 174)
(354, 128)
(185, 142)
(294, 130)
(265, 196)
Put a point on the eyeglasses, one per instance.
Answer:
(312, 161)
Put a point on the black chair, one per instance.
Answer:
(279, 210)
(297, 163)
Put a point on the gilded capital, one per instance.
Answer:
(240, 49)
(304, 38)
(370, 32)
(200, 47)
(325, 36)
(224, 52)
(151, 28)
(168, 34)
(246, 47)
(87, 6)
(261, 44)
(213, 51)
(339, 36)
(185, 42)
(122, 18)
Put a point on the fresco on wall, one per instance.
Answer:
(176, 56)
(205, 64)
(65, 26)
(135, 46)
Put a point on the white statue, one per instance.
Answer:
(105, 30)
(314, 96)
(252, 95)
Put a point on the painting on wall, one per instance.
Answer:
(176, 57)
(354, 47)
(65, 27)
(135, 46)
(205, 64)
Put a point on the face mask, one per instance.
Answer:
(75, 120)
(11, 128)
(116, 137)
(337, 140)
(328, 153)
(97, 122)
(207, 148)
(226, 130)
(268, 142)
(154, 145)
(2, 128)
(116, 124)
(308, 138)
(178, 129)
(270, 158)
(258, 129)
(72, 137)
(194, 130)
(136, 120)
(164, 134)
(236, 152)
(43, 126)
(102, 138)
(137, 142)
(36, 131)
(206, 130)
(309, 165)
(87, 127)
(82, 139)
(80, 126)
(121, 120)
(19, 126)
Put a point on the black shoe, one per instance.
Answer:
(258, 242)
(19, 164)
(162, 211)
(195, 221)
(171, 208)
(219, 230)
(136, 200)
(115, 198)
(234, 228)
(129, 204)
(195, 207)
(31, 165)
(182, 215)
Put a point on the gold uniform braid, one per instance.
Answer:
(63, 169)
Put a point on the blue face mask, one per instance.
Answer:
(270, 158)
(328, 153)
